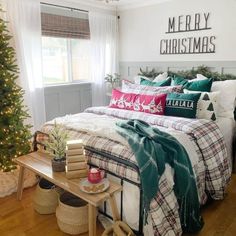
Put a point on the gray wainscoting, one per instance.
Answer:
(130, 69)
(67, 99)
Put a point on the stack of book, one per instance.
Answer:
(76, 164)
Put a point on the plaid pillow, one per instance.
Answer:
(129, 87)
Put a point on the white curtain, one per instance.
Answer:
(103, 33)
(25, 27)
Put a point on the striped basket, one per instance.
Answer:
(72, 214)
(45, 200)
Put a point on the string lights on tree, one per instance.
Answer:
(14, 134)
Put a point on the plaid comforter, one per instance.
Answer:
(212, 170)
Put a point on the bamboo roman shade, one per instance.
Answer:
(54, 25)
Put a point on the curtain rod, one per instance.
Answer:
(71, 8)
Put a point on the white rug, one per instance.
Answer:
(8, 181)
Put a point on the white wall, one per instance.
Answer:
(141, 30)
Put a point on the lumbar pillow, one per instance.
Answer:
(129, 87)
(154, 104)
(165, 82)
(207, 105)
(194, 85)
(183, 105)
(161, 77)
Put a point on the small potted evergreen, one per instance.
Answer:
(56, 147)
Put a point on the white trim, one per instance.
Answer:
(69, 60)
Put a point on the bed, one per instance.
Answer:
(208, 144)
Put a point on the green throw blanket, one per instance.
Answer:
(153, 149)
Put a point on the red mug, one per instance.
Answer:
(95, 175)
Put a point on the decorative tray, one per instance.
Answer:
(88, 187)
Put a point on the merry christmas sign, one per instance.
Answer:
(188, 43)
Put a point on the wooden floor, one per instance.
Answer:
(19, 218)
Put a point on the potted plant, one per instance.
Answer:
(112, 80)
(56, 147)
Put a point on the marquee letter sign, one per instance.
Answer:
(188, 44)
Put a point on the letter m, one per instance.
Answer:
(171, 24)
(197, 44)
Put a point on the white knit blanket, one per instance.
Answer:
(105, 126)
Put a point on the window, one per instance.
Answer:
(65, 45)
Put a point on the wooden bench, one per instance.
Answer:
(40, 163)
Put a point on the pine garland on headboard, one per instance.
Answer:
(191, 74)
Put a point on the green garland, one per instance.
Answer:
(191, 74)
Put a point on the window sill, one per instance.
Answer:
(67, 84)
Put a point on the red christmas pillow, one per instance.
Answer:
(154, 104)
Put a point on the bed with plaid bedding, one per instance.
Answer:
(212, 169)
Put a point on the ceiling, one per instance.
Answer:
(125, 4)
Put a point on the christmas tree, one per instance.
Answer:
(14, 135)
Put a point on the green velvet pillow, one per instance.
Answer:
(179, 81)
(182, 105)
(166, 82)
(198, 85)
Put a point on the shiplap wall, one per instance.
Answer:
(61, 100)
(130, 69)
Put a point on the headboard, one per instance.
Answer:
(129, 69)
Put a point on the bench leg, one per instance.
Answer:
(20, 183)
(92, 220)
(114, 209)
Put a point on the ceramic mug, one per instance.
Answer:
(95, 175)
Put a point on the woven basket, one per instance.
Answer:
(72, 214)
(45, 199)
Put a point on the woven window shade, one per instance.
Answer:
(64, 26)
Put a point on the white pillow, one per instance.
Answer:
(226, 103)
(161, 77)
(207, 107)
(200, 77)
(137, 79)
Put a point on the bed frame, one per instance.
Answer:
(138, 232)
